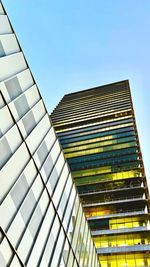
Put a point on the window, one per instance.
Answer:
(22, 106)
(13, 88)
(2, 52)
(5, 151)
(42, 152)
(29, 122)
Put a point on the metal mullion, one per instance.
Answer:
(55, 244)
(24, 141)
(83, 242)
(59, 177)
(87, 246)
(36, 236)
(60, 256)
(71, 210)
(82, 215)
(30, 188)
(76, 224)
(29, 219)
(63, 190)
(43, 250)
(13, 249)
(18, 207)
(66, 204)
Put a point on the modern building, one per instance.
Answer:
(97, 130)
(42, 221)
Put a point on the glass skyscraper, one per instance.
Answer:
(97, 130)
(41, 218)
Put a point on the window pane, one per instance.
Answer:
(13, 87)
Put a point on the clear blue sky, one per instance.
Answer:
(73, 45)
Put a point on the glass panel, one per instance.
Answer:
(22, 106)
(2, 52)
(29, 122)
(19, 191)
(5, 151)
(28, 206)
(42, 152)
(13, 88)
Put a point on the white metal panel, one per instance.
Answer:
(37, 187)
(38, 111)
(11, 65)
(7, 211)
(15, 262)
(42, 236)
(49, 141)
(30, 172)
(2, 104)
(6, 250)
(1, 9)
(32, 95)
(44, 201)
(5, 119)
(9, 43)
(25, 81)
(13, 142)
(37, 135)
(4, 25)
(24, 245)
(13, 168)
(16, 229)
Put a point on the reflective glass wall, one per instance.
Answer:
(97, 130)
(42, 221)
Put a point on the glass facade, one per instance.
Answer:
(42, 222)
(97, 130)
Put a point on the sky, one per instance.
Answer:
(74, 45)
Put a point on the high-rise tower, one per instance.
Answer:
(97, 130)
(42, 223)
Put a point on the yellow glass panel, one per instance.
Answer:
(107, 137)
(92, 171)
(101, 144)
(99, 150)
(125, 260)
(106, 177)
(98, 211)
